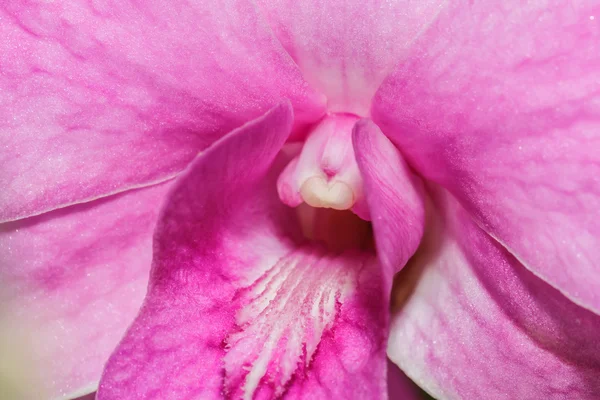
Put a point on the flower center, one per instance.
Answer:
(297, 309)
(325, 173)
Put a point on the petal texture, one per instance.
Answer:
(393, 193)
(480, 325)
(98, 97)
(73, 280)
(346, 48)
(509, 121)
(237, 308)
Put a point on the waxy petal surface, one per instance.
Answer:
(73, 280)
(509, 121)
(99, 97)
(393, 193)
(237, 306)
(346, 48)
(480, 325)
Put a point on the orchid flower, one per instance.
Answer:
(221, 199)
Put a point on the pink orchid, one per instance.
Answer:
(277, 164)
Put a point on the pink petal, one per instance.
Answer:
(346, 48)
(236, 307)
(499, 103)
(393, 193)
(478, 325)
(74, 279)
(98, 97)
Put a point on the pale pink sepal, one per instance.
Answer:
(97, 98)
(345, 49)
(498, 102)
(477, 324)
(72, 280)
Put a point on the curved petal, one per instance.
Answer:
(500, 104)
(480, 325)
(346, 48)
(237, 307)
(99, 97)
(73, 280)
(394, 196)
